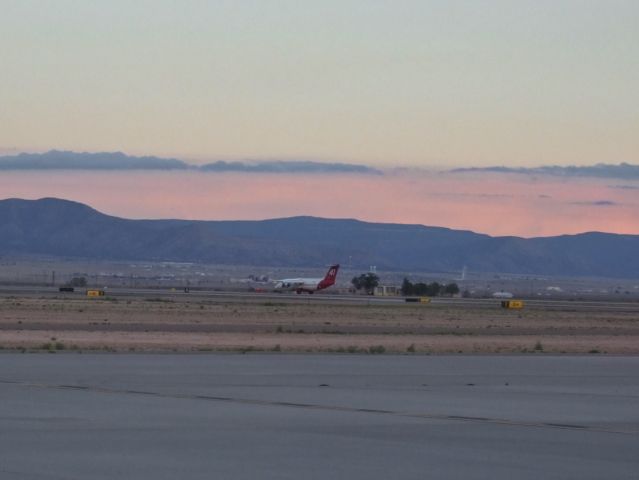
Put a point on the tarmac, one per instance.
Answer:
(547, 304)
(281, 416)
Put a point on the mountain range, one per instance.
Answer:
(62, 228)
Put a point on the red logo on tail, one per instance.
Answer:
(330, 277)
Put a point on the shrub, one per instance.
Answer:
(376, 349)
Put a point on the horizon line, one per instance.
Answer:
(353, 219)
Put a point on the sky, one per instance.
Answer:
(525, 205)
(427, 85)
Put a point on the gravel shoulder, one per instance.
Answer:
(235, 324)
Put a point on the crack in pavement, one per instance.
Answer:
(311, 406)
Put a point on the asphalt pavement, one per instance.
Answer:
(268, 416)
(599, 305)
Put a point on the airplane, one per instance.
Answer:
(309, 285)
(502, 294)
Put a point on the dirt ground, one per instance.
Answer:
(236, 324)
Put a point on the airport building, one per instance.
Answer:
(387, 290)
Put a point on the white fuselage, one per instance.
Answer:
(295, 284)
(309, 285)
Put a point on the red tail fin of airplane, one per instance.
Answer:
(330, 277)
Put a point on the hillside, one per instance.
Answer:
(69, 229)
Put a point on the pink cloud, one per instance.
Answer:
(488, 203)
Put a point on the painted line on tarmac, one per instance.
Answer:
(310, 406)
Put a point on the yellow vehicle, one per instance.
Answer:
(95, 293)
(417, 299)
(513, 304)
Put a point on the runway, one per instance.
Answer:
(92, 416)
(324, 297)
